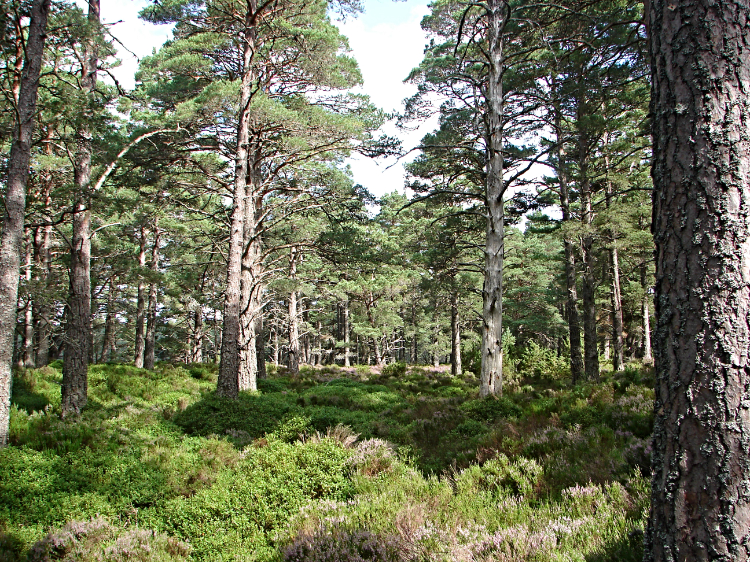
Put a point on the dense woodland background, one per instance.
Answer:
(225, 349)
(340, 277)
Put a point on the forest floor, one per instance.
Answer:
(334, 464)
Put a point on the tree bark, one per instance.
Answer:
(618, 360)
(260, 348)
(588, 286)
(293, 359)
(251, 288)
(78, 313)
(491, 379)
(347, 333)
(700, 502)
(43, 259)
(27, 357)
(197, 355)
(140, 311)
(571, 308)
(228, 384)
(149, 354)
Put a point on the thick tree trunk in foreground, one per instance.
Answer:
(78, 313)
(700, 56)
(15, 204)
(229, 369)
(140, 310)
(491, 378)
(149, 352)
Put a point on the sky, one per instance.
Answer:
(386, 40)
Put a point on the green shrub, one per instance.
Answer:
(543, 363)
(501, 477)
(397, 369)
(203, 371)
(268, 386)
(491, 409)
(245, 508)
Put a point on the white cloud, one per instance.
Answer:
(387, 51)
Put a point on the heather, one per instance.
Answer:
(403, 463)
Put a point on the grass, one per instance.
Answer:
(350, 464)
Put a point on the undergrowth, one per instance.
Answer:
(334, 464)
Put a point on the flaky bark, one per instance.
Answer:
(700, 503)
(15, 203)
(78, 313)
(231, 346)
(491, 378)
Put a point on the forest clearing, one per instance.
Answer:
(223, 338)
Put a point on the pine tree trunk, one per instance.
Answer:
(42, 309)
(140, 311)
(250, 293)
(293, 361)
(228, 384)
(78, 335)
(108, 348)
(293, 357)
(491, 379)
(198, 341)
(28, 316)
(700, 499)
(456, 366)
(618, 362)
(648, 358)
(571, 308)
(149, 354)
(347, 330)
(413, 350)
(588, 286)
(260, 348)
(276, 348)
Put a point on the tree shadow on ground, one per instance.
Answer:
(24, 396)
